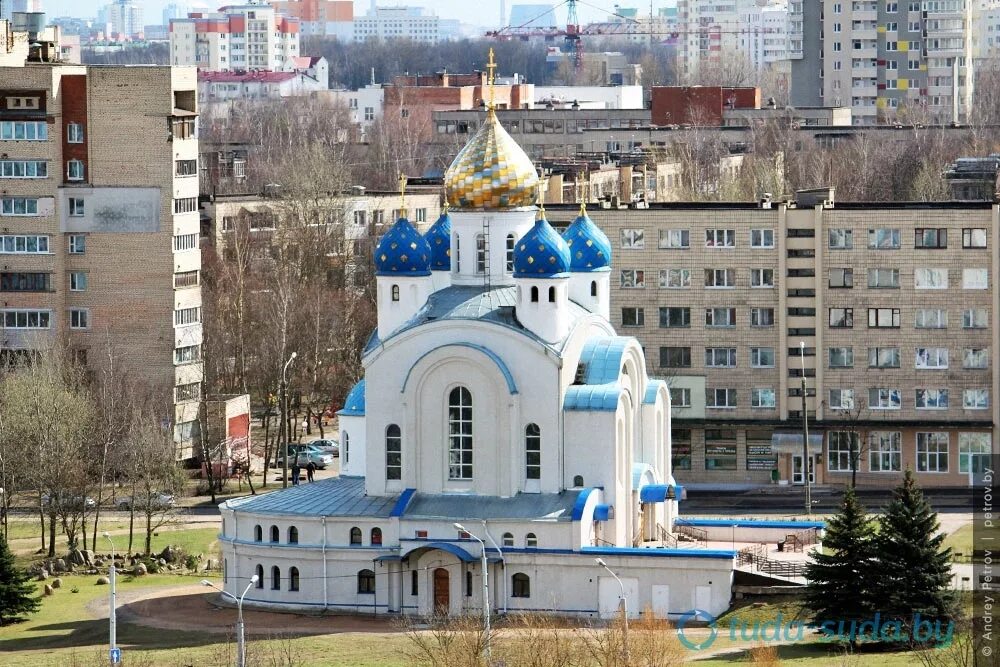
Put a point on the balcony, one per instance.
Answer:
(865, 15)
(866, 90)
(865, 52)
(865, 72)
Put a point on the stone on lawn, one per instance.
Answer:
(48, 590)
(103, 581)
(139, 569)
(57, 583)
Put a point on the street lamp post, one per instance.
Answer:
(486, 588)
(503, 564)
(282, 421)
(241, 647)
(623, 603)
(113, 614)
(805, 434)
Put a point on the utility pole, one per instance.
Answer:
(806, 457)
(112, 614)
(283, 429)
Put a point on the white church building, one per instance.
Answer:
(496, 396)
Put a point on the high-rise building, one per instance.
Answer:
(241, 37)
(398, 23)
(896, 305)
(712, 33)
(331, 18)
(100, 223)
(122, 18)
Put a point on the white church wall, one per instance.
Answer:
(353, 439)
(467, 225)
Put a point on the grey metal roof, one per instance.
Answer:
(522, 506)
(337, 496)
(464, 302)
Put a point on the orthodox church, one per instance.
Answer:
(499, 412)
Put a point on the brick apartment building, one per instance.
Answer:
(896, 305)
(99, 221)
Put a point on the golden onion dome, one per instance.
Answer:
(491, 172)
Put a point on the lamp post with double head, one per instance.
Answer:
(486, 588)
(241, 646)
(283, 420)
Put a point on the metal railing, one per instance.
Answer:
(756, 557)
(666, 539)
(693, 534)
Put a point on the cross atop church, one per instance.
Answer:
(402, 195)
(491, 76)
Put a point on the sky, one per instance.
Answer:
(477, 13)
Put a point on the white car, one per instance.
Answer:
(156, 501)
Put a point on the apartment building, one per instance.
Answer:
(237, 37)
(895, 305)
(398, 22)
(711, 32)
(331, 18)
(887, 60)
(99, 222)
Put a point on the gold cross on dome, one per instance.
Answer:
(402, 195)
(491, 76)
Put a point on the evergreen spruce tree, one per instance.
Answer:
(16, 593)
(913, 571)
(839, 576)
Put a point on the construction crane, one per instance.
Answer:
(572, 44)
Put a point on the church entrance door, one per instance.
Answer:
(442, 601)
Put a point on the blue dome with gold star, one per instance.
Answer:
(438, 237)
(402, 251)
(541, 253)
(589, 247)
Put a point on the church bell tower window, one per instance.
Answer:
(460, 434)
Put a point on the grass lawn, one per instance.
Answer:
(817, 654)
(960, 541)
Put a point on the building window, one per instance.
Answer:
(841, 318)
(720, 317)
(720, 357)
(468, 584)
(762, 317)
(932, 452)
(883, 278)
(885, 451)
(293, 579)
(187, 392)
(975, 318)
(974, 238)
(973, 452)
(841, 278)
(720, 449)
(841, 239)
(74, 171)
(520, 585)
(930, 278)
(930, 238)
(675, 278)
(185, 242)
(74, 133)
(24, 244)
(534, 294)
(77, 244)
(24, 130)
(19, 206)
(578, 481)
(26, 319)
(79, 318)
(762, 357)
(414, 579)
(673, 318)
(762, 398)
(931, 357)
(260, 576)
(186, 205)
(78, 281)
(881, 398)
(552, 295)
(633, 279)
(976, 399)
(366, 582)
(509, 254)
(720, 278)
(720, 398)
(883, 357)
(931, 318)
(393, 452)
(507, 539)
(884, 239)
(186, 167)
(883, 318)
(675, 357)
(533, 451)
(931, 399)
(761, 277)
(673, 239)
(25, 282)
(633, 317)
(633, 238)
(531, 541)
(275, 533)
(376, 537)
(293, 535)
(480, 253)
(395, 292)
(720, 238)
(761, 238)
(841, 357)
(841, 446)
(841, 399)
(680, 397)
(184, 316)
(460, 434)
(593, 288)
(186, 279)
(975, 358)
(355, 536)
(258, 534)
(187, 354)
(275, 578)
(975, 279)
(24, 169)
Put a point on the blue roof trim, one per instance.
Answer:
(652, 388)
(581, 502)
(603, 512)
(657, 493)
(603, 358)
(637, 470)
(404, 500)
(508, 376)
(354, 404)
(453, 549)
(720, 554)
(752, 523)
(593, 398)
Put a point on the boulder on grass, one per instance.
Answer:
(48, 591)
(103, 581)
(57, 583)
(59, 565)
(43, 574)
(139, 569)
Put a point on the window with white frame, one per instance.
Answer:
(720, 398)
(761, 397)
(883, 318)
(973, 452)
(720, 238)
(393, 452)
(761, 277)
(187, 392)
(931, 399)
(184, 316)
(930, 278)
(975, 279)
(675, 278)
(78, 281)
(24, 169)
(931, 318)
(18, 206)
(480, 254)
(975, 358)
(74, 170)
(185, 242)
(720, 357)
(460, 434)
(840, 447)
(841, 239)
(975, 318)
(976, 399)
(841, 318)
(532, 452)
(76, 207)
(77, 244)
(24, 130)
(762, 317)
(18, 244)
(633, 316)
(841, 357)
(187, 354)
(720, 278)
(672, 239)
(841, 399)
(885, 451)
(884, 398)
(509, 254)
(27, 319)
(932, 451)
(883, 278)
(931, 357)
(841, 278)
(762, 357)
(974, 238)
(633, 238)
(633, 279)
(720, 317)
(74, 133)
(79, 318)
(186, 205)
(761, 238)
(680, 397)
(884, 239)
(883, 357)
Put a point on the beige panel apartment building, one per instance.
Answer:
(99, 221)
(895, 304)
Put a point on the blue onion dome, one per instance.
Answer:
(438, 237)
(402, 251)
(541, 253)
(589, 247)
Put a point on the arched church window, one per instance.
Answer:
(293, 535)
(458, 254)
(531, 541)
(578, 480)
(346, 439)
(480, 253)
(552, 295)
(468, 584)
(366, 582)
(459, 434)
(275, 533)
(534, 294)
(275, 578)
(593, 288)
(376, 536)
(293, 579)
(532, 452)
(395, 292)
(520, 586)
(510, 254)
(259, 571)
(508, 539)
(258, 534)
(393, 452)
(355, 535)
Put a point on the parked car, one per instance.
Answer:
(73, 501)
(326, 446)
(304, 454)
(157, 500)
